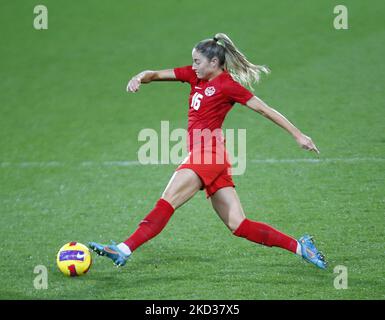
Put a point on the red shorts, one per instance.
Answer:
(214, 171)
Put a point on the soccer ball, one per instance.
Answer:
(74, 259)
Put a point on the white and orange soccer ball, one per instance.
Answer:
(74, 259)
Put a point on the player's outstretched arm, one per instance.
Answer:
(148, 76)
(261, 107)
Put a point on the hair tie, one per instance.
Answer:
(219, 42)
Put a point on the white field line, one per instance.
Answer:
(52, 164)
(318, 160)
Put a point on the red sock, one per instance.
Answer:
(266, 235)
(151, 225)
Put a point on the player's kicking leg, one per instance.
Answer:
(182, 186)
(111, 251)
(310, 253)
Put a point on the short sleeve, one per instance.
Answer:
(185, 74)
(236, 92)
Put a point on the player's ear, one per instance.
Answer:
(214, 62)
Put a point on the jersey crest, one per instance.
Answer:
(209, 91)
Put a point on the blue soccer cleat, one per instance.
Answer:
(310, 253)
(111, 251)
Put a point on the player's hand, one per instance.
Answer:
(133, 85)
(306, 143)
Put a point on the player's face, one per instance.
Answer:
(202, 66)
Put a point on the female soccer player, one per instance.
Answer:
(217, 78)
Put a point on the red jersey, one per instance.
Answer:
(210, 101)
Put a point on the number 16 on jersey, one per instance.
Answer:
(196, 101)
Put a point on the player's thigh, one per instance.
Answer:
(182, 186)
(228, 206)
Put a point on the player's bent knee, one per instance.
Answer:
(235, 219)
(234, 226)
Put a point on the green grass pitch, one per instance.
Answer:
(65, 116)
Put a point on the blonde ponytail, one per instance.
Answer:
(241, 69)
(231, 59)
